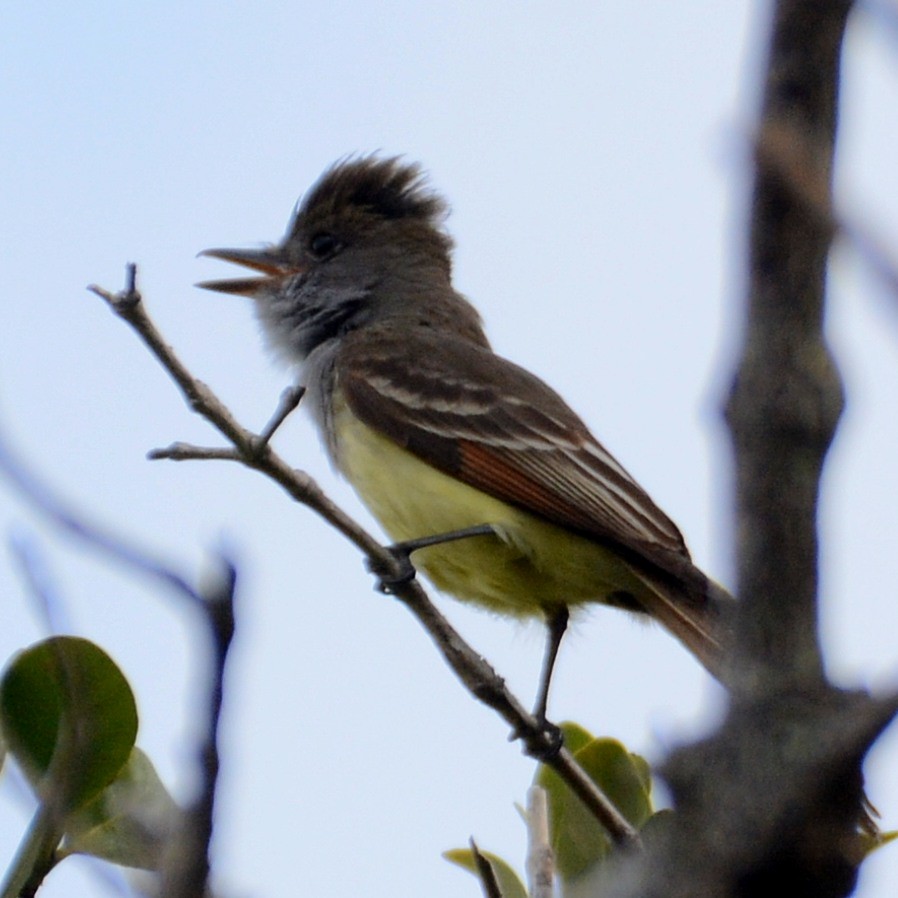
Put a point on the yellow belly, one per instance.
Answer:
(530, 565)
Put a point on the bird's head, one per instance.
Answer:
(366, 243)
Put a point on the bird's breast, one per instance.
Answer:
(528, 566)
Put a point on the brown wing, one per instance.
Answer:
(497, 427)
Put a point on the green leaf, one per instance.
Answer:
(510, 884)
(578, 840)
(69, 719)
(128, 822)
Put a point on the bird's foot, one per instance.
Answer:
(403, 570)
(402, 554)
(542, 742)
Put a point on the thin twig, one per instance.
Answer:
(251, 450)
(540, 860)
(186, 870)
(487, 686)
(289, 401)
(75, 523)
(39, 581)
(188, 452)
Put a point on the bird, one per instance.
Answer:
(474, 467)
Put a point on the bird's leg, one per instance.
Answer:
(402, 552)
(556, 620)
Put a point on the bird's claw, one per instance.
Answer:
(404, 571)
(543, 743)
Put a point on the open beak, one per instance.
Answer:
(268, 261)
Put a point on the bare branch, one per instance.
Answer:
(189, 452)
(540, 860)
(289, 401)
(772, 801)
(55, 509)
(786, 398)
(39, 581)
(185, 872)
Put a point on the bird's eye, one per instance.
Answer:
(323, 246)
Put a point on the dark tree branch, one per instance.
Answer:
(771, 804)
(185, 872)
(255, 452)
(786, 399)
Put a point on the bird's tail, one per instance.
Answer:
(700, 615)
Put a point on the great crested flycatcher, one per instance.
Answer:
(440, 436)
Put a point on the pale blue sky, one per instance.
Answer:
(594, 158)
